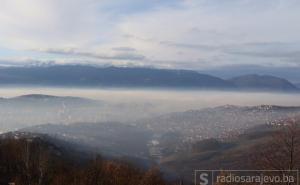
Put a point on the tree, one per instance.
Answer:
(152, 177)
(283, 151)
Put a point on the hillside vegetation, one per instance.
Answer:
(36, 161)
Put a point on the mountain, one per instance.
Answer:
(92, 76)
(79, 75)
(263, 82)
(225, 72)
(49, 99)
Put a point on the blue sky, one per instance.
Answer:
(189, 34)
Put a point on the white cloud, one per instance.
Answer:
(186, 34)
(46, 23)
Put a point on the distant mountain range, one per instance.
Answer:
(90, 76)
(263, 82)
(49, 99)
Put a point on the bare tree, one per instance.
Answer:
(282, 152)
(43, 159)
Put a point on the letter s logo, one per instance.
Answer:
(203, 179)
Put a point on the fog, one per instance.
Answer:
(172, 100)
(121, 105)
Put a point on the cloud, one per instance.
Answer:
(273, 50)
(178, 33)
(269, 54)
(19, 62)
(189, 46)
(210, 29)
(74, 52)
(130, 49)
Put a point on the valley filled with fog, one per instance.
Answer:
(148, 127)
(19, 110)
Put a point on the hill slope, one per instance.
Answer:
(112, 139)
(39, 159)
(245, 152)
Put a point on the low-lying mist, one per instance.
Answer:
(120, 105)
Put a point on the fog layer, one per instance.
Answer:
(122, 105)
(178, 100)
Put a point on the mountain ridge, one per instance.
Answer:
(267, 82)
(132, 77)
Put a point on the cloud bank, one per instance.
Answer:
(192, 34)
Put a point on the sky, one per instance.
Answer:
(185, 34)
